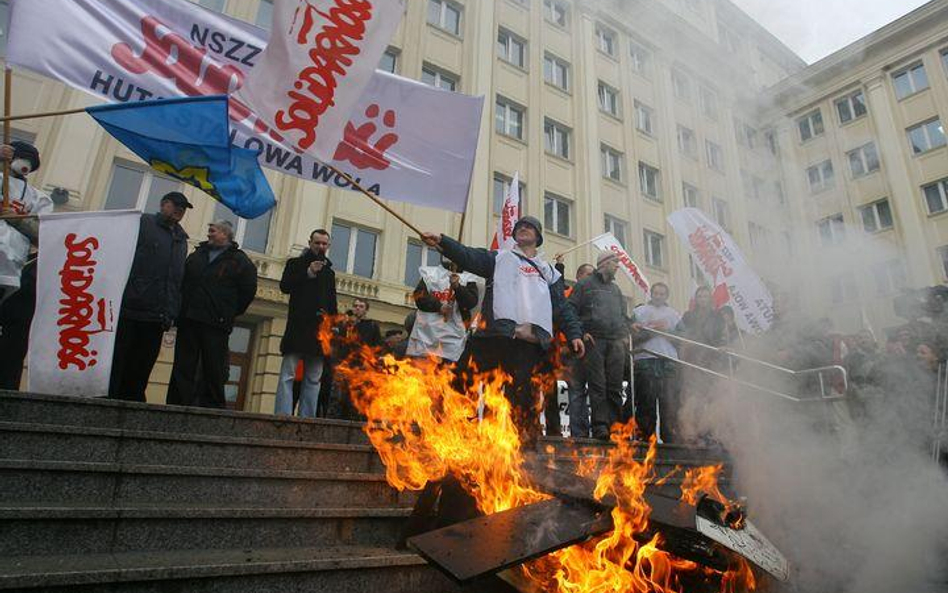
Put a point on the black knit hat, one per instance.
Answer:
(25, 150)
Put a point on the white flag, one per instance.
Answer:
(84, 261)
(609, 244)
(405, 141)
(733, 281)
(320, 57)
(509, 215)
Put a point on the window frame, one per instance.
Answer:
(848, 101)
(549, 12)
(832, 230)
(552, 226)
(148, 178)
(826, 182)
(681, 85)
(713, 148)
(877, 222)
(395, 54)
(940, 186)
(721, 212)
(644, 115)
(440, 75)
(512, 40)
(505, 181)
(644, 169)
(611, 223)
(440, 25)
(708, 98)
(604, 33)
(925, 127)
(608, 156)
(649, 253)
(353, 244)
(558, 130)
(812, 119)
(641, 59)
(907, 71)
(426, 252)
(510, 106)
(683, 147)
(555, 62)
(862, 154)
(687, 188)
(606, 92)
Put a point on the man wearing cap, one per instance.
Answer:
(522, 300)
(602, 312)
(219, 284)
(152, 297)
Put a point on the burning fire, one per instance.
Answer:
(425, 426)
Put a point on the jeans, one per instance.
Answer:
(309, 394)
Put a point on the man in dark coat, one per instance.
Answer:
(311, 283)
(152, 297)
(220, 282)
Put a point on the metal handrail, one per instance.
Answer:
(730, 376)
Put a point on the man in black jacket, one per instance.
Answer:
(152, 297)
(311, 283)
(220, 282)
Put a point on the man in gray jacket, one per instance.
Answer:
(152, 297)
(602, 312)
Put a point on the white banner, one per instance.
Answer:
(733, 281)
(610, 244)
(84, 260)
(406, 141)
(509, 215)
(320, 57)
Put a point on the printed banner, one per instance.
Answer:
(320, 57)
(509, 215)
(405, 141)
(733, 281)
(84, 260)
(610, 244)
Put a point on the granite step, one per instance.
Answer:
(52, 530)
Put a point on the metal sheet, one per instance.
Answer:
(749, 543)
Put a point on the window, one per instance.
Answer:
(771, 138)
(617, 227)
(508, 119)
(445, 15)
(556, 72)
(251, 234)
(556, 136)
(608, 99)
(606, 40)
(753, 186)
(643, 118)
(820, 176)
(889, 277)
(654, 249)
(746, 135)
(842, 287)
(810, 125)
(729, 39)
(715, 156)
(135, 187)
(943, 254)
(832, 230)
(501, 187)
(419, 255)
(876, 216)
(556, 214)
(778, 193)
(687, 142)
(436, 77)
(944, 58)
(936, 196)
(696, 274)
(215, 5)
(850, 107)
(389, 61)
(640, 58)
(926, 136)
(649, 181)
(556, 12)
(611, 163)
(511, 48)
(709, 102)
(353, 249)
(863, 160)
(264, 14)
(759, 235)
(722, 212)
(681, 85)
(909, 81)
(690, 196)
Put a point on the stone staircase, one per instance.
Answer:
(100, 495)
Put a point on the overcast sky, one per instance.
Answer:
(816, 28)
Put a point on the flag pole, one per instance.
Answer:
(7, 118)
(575, 247)
(7, 99)
(375, 199)
(461, 226)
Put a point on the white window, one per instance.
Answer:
(943, 254)
(876, 216)
(889, 277)
(842, 287)
(909, 81)
(681, 85)
(936, 196)
(643, 118)
(850, 107)
(944, 59)
(687, 142)
(556, 138)
(611, 163)
(445, 15)
(690, 196)
(729, 39)
(389, 61)
(649, 182)
(771, 138)
(556, 12)
(863, 160)
(832, 230)
(926, 136)
(215, 5)
(508, 118)
(617, 227)
(501, 187)
(654, 249)
(753, 186)
(722, 212)
(810, 125)
(640, 57)
(264, 14)
(252, 234)
(608, 99)
(778, 193)
(511, 48)
(606, 40)
(759, 236)
(715, 155)
(820, 176)
(436, 77)
(556, 72)
(353, 249)
(556, 214)
(418, 255)
(709, 102)
(746, 135)
(134, 187)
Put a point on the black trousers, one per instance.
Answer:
(16, 315)
(603, 367)
(199, 345)
(655, 391)
(137, 344)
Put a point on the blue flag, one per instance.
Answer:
(189, 139)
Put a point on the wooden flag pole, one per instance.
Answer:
(375, 199)
(575, 247)
(7, 99)
(461, 226)
(7, 118)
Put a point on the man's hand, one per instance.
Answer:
(558, 258)
(590, 339)
(659, 325)
(431, 239)
(447, 311)
(637, 327)
(8, 211)
(6, 152)
(316, 267)
(578, 348)
(455, 280)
